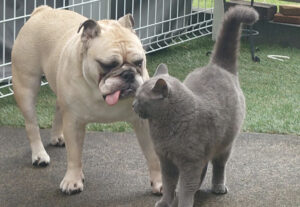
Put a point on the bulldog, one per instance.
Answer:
(94, 68)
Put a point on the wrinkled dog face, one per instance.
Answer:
(113, 58)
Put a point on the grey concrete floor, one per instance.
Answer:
(264, 170)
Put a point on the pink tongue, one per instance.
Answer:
(113, 98)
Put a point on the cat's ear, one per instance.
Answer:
(161, 87)
(161, 69)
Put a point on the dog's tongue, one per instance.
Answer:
(113, 98)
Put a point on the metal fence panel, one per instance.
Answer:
(158, 23)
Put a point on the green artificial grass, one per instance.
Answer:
(210, 3)
(276, 2)
(203, 4)
(271, 87)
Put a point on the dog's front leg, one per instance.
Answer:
(74, 132)
(141, 128)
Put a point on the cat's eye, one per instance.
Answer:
(108, 66)
(138, 63)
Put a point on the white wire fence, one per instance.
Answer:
(158, 23)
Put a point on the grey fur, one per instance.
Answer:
(197, 121)
(161, 69)
(227, 45)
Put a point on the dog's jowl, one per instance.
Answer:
(94, 68)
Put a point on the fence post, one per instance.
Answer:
(218, 16)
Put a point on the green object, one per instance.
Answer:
(271, 88)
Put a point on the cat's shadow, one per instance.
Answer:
(203, 196)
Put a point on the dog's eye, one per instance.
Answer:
(138, 63)
(108, 66)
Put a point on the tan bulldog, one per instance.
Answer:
(94, 68)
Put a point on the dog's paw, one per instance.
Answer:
(219, 189)
(156, 182)
(157, 188)
(58, 141)
(40, 159)
(161, 203)
(72, 182)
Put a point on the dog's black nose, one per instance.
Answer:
(128, 76)
(134, 103)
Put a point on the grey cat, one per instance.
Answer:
(196, 121)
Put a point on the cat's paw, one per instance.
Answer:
(219, 189)
(162, 203)
(175, 202)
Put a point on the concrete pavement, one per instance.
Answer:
(264, 170)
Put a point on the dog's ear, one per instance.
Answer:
(127, 21)
(161, 87)
(91, 29)
(161, 69)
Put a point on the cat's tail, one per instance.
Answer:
(228, 41)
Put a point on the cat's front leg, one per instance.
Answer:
(189, 183)
(169, 179)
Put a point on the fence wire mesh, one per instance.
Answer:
(158, 23)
